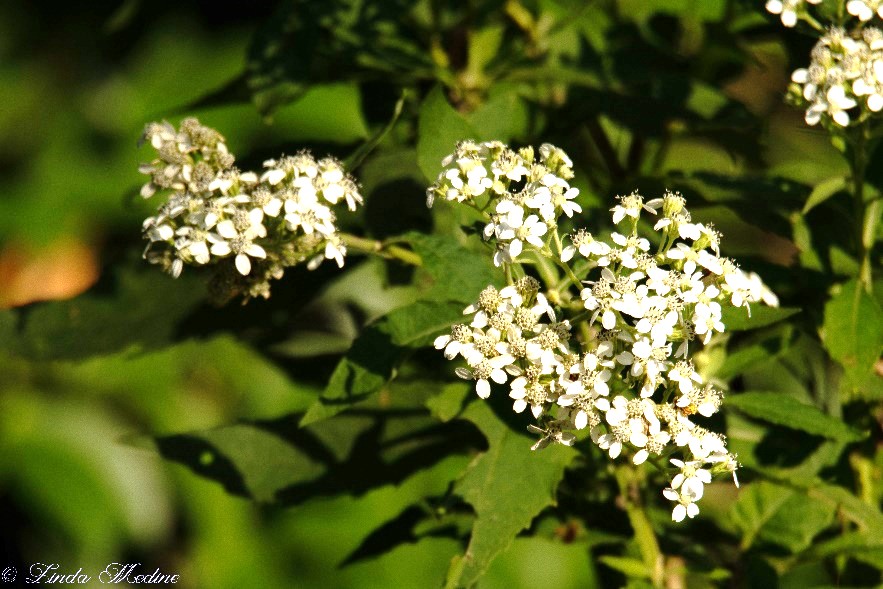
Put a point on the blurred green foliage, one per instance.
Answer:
(313, 440)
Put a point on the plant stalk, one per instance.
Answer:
(378, 248)
(648, 545)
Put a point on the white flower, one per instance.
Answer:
(686, 377)
(239, 244)
(865, 10)
(630, 206)
(194, 243)
(607, 375)
(788, 9)
(685, 506)
(707, 320)
(514, 230)
(484, 371)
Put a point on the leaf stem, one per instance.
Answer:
(627, 477)
(386, 250)
(866, 214)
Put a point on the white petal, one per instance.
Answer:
(483, 388)
(581, 420)
(256, 251)
(226, 229)
(221, 249)
(243, 264)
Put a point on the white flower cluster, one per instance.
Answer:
(790, 11)
(845, 76)
(525, 195)
(616, 360)
(864, 10)
(248, 227)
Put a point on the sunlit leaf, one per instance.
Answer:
(739, 319)
(784, 410)
(853, 331)
(441, 128)
(780, 515)
(508, 486)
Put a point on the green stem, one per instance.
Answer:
(564, 265)
(545, 269)
(866, 215)
(382, 249)
(869, 234)
(627, 479)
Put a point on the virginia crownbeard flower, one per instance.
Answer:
(247, 227)
(621, 367)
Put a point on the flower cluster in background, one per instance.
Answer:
(846, 75)
(610, 351)
(790, 11)
(843, 83)
(247, 226)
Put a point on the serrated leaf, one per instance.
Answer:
(377, 352)
(823, 191)
(440, 129)
(797, 522)
(784, 410)
(458, 273)
(507, 486)
(853, 331)
(417, 324)
(738, 319)
(780, 515)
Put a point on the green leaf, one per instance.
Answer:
(779, 515)
(503, 116)
(60, 459)
(823, 191)
(507, 486)
(450, 401)
(355, 159)
(797, 522)
(738, 319)
(440, 129)
(305, 43)
(853, 332)
(377, 352)
(756, 505)
(786, 411)
(458, 274)
(418, 324)
(276, 462)
(738, 361)
(867, 517)
(630, 567)
(850, 543)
